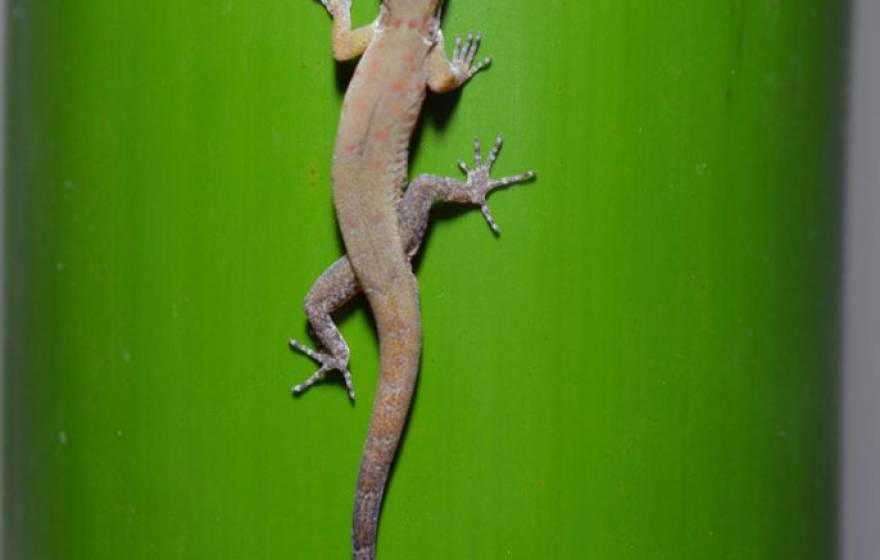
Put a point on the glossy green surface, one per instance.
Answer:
(642, 366)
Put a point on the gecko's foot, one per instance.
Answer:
(328, 363)
(479, 184)
(463, 57)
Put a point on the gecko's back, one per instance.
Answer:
(379, 113)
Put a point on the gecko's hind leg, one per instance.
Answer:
(335, 287)
(425, 190)
(479, 182)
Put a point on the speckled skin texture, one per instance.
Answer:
(382, 222)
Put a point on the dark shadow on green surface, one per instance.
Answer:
(344, 71)
(839, 61)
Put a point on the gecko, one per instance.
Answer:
(383, 218)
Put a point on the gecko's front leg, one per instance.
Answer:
(348, 43)
(448, 74)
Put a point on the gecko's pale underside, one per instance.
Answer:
(382, 220)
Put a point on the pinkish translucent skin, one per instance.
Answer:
(402, 55)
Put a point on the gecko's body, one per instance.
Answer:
(382, 225)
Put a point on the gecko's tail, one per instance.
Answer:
(397, 317)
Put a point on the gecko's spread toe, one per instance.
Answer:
(479, 184)
(328, 363)
(463, 55)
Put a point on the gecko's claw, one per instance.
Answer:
(484, 208)
(328, 363)
(479, 184)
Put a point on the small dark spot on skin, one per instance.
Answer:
(313, 176)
